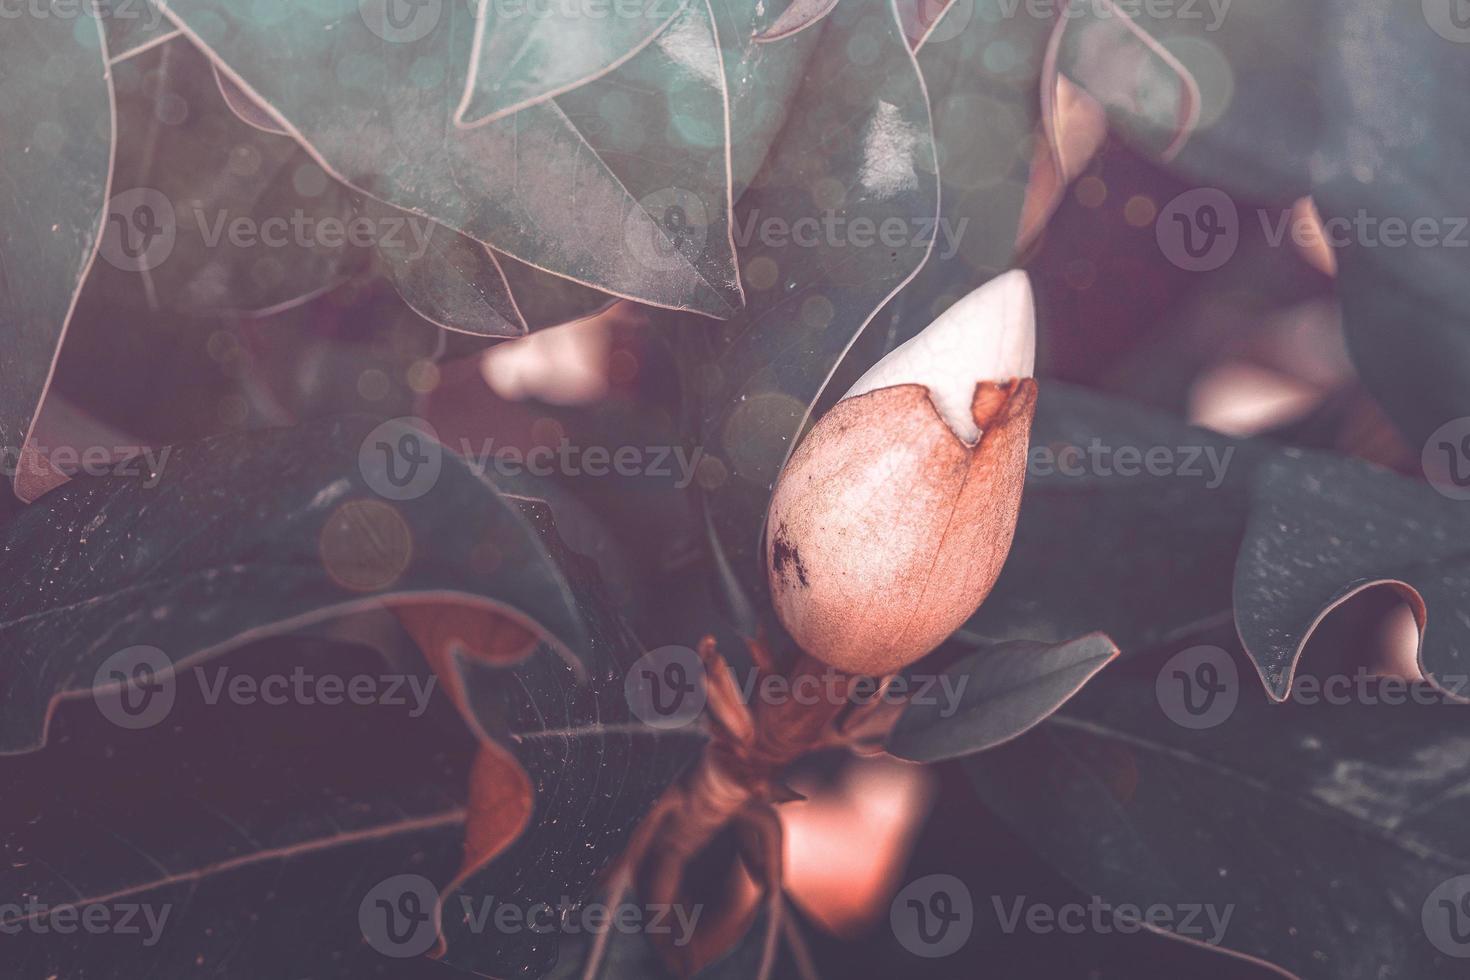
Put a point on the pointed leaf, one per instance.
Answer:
(981, 69)
(248, 222)
(1146, 90)
(449, 279)
(54, 176)
(1083, 489)
(237, 834)
(797, 17)
(526, 53)
(540, 184)
(761, 80)
(1388, 182)
(1004, 691)
(220, 547)
(133, 26)
(1322, 838)
(1323, 528)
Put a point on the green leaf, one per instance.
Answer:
(797, 17)
(1160, 546)
(546, 300)
(1143, 87)
(1390, 151)
(592, 764)
(447, 278)
(527, 52)
(249, 830)
(541, 185)
(981, 68)
(226, 538)
(55, 108)
(1227, 93)
(1003, 692)
(762, 81)
(247, 214)
(1324, 832)
(133, 26)
(1323, 528)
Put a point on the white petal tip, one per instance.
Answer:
(989, 335)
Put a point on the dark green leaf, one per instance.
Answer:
(133, 26)
(447, 278)
(1141, 556)
(762, 80)
(593, 767)
(526, 53)
(1389, 184)
(982, 69)
(247, 215)
(1322, 831)
(1323, 528)
(1249, 67)
(250, 831)
(377, 107)
(1002, 692)
(54, 162)
(224, 538)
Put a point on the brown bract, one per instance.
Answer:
(886, 531)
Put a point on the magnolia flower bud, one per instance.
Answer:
(892, 519)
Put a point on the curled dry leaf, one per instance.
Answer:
(890, 524)
(1073, 128)
(795, 19)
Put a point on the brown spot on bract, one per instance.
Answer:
(785, 556)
